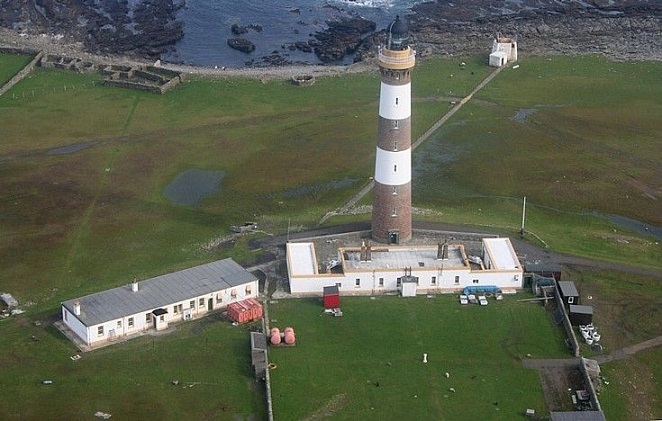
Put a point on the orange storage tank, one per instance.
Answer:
(290, 338)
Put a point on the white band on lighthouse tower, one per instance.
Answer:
(393, 168)
(395, 101)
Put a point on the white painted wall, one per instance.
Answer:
(393, 168)
(395, 101)
(369, 281)
(91, 337)
(75, 325)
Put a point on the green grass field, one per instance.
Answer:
(72, 224)
(368, 363)
(131, 380)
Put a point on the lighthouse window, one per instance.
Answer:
(395, 168)
(396, 125)
(395, 146)
(394, 213)
(395, 192)
(396, 101)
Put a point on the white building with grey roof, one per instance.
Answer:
(444, 268)
(152, 304)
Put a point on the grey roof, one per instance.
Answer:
(573, 308)
(160, 291)
(578, 416)
(568, 289)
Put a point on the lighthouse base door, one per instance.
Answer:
(394, 237)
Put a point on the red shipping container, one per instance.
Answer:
(331, 297)
(245, 311)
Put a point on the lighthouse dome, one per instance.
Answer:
(398, 33)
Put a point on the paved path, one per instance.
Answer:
(366, 189)
(627, 352)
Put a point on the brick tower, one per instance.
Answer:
(391, 207)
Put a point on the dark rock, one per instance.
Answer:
(238, 30)
(341, 38)
(241, 44)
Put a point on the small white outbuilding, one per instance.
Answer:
(504, 51)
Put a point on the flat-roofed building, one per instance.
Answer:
(138, 307)
(444, 268)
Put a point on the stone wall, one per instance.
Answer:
(24, 71)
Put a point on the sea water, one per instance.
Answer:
(207, 27)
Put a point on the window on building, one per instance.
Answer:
(457, 280)
(394, 192)
(397, 101)
(381, 282)
(100, 331)
(249, 290)
(358, 282)
(396, 124)
(219, 297)
(233, 293)
(130, 322)
(148, 318)
(475, 281)
(398, 282)
(175, 309)
(201, 302)
(191, 304)
(395, 168)
(434, 280)
(395, 146)
(394, 213)
(119, 324)
(571, 300)
(162, 318)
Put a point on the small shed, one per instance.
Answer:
(245, 311)
(580, 315)
(569, 293)
(409, 284)
(331, 297)
(259, 353)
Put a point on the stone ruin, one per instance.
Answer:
(141, 77)
(303, 80)
(55, 61)
(144, 78)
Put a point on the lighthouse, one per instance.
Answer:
(391, 207)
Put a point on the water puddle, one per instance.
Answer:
(523, 113)
(191, 186)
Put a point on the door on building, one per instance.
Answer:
(393, 237)
(210, 304)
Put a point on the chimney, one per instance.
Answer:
(77, 308)
(134, 285)
(442, 251)
(368, 252)
(362, 256)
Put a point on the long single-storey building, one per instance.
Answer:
(444, 268)
(154, 303)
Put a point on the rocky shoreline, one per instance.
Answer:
(142, 31)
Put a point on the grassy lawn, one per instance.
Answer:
(368, 363)
(77, 223)
(10, 64)
(131, 380)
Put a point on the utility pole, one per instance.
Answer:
(523, 216)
